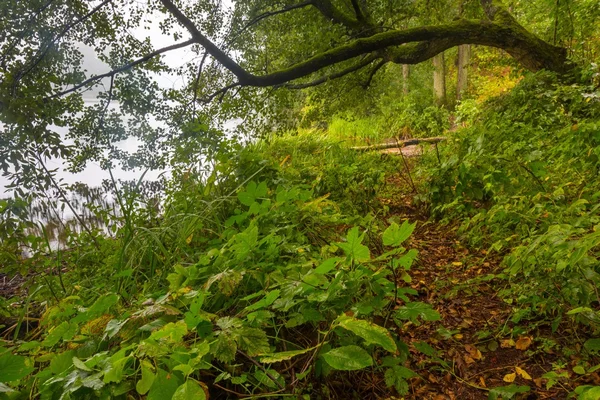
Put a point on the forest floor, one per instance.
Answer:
(475, 349)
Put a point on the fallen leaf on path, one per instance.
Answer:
(523, 343)
(522, 373)
(507, 343)
(509, 378)
(482, 381)
(473, 352)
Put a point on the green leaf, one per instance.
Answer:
(253, 340)
(173, 332)
(143, 385)
(353, 247)
(592, 345)
(265, 302)
(507, 392)
(164, 386)
(327, 265)
(588, 392)
(395, 235)
(13, 367)
(54, 336)
(102, 305)
(396, 376)
(81, 365)
(224, 348)
(370, 332)
(412, 312)
(190, 390)
(348, 358)
(283, 356)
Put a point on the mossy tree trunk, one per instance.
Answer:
(439, 79)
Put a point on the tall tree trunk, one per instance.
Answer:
(439, 79)
(464, 56)
(405, 76)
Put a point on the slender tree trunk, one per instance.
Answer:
(464, 56)
(405, 76)
(439, 79)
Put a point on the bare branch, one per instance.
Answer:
(268, 14)
(373, 72)
(124, 67)
(333, 76)
(221, 92)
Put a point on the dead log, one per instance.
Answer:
(400, 143)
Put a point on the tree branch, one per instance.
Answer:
(333, 76)
(268, 14)
(331, 12)
(202, 40)
(373, 72)
(124, 67)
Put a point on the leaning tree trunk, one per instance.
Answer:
(439, 79)
(464, 56)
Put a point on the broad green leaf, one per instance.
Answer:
(507, 392)
(113, 327)
(102, 305)
(370, 332)
(253, 340)
(348, 358)
(353, 247)
(327, 265)
(164, 386)
(13, 367)
(224, 348)
(416, 310)
(56, 334)
(592, 345)
(395, 235)
(588, 392)
(115, 372)
(80, 365)
(143, 385)
(396, 376)
(174, 332)
(265, 302)
(190, 390)
(283, 356)
(266, 380)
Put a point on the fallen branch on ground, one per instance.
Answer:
(400, 143)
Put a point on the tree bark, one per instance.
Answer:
(405, 77)
(464, 56)
(439, 79)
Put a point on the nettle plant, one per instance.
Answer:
(262, 311)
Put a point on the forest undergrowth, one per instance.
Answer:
(301, 268)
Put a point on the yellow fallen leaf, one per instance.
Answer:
(457, 263)
(473, 351)
(523, 343)
(458, 336)
(522, 373)
(189, 239)
(509, 378)
(482, 381)
(507, 343)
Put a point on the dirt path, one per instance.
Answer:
(475, 338)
